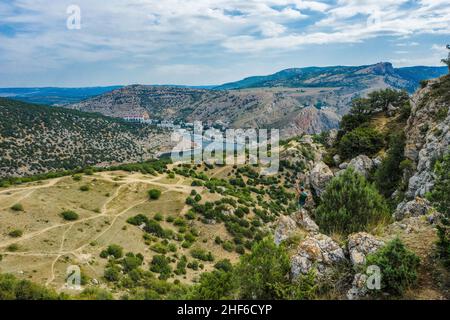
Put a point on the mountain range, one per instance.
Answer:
(306, 100)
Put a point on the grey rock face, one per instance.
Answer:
(318, 251)
(415, 208)
(319, 177)
(362, 164)
(360, 245)
(285, 228)
(303, 219)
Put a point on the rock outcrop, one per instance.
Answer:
(285, 228)
(303, 220)
(428, 133)
(319, 177)
(362, 164)
(316, 251)
(360, 245)
(415, 208)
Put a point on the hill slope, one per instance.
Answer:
(35, 139)
(296, 101)
(356, 77)
(54, 96)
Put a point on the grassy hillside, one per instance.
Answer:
(36, 139)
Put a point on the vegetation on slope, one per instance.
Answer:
(37, 139)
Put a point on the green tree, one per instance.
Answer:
(69, 215)
(262, 270)
(389, 174)
(381, 99)
(362, 140)
(350, 204)
(215, 285)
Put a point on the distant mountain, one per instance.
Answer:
(37, 139)
(361, 77)
(307, 100)
(54, 96)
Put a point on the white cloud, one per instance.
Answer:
(156, 33)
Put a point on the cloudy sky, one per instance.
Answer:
(198, 42)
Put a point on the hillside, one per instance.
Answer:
(37, 139)
(54, 96)
(296, 101)
(361, 77)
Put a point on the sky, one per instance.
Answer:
(80, 43)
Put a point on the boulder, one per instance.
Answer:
(360, 245)
(377, 161)
(319, 177)
(303, 220)
(285, 227)
(337, 160)
(415, 208)
(343, 166)
(318, 251)
(359, 287)
(362, 164)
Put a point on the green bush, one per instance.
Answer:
(154, 194)
(363, 140)
(161, 264)
(77, 177)
(398, 267)
(113, 250)
(12, 288)
(17, 207)
(440, 198)
(202, 255)
(389, 174)
(263, 268)
(16, 233)
(85, 188)
(216, 285)
(112, 273)
(70, 215)
(224, 265)
(350, 204)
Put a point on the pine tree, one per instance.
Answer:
(351, 204)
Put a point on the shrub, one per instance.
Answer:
(263, 268)
(112, 273)
(202, 255)
(161, 264)
(113, 250)
(440, 197)
(17, 207)
(224, 265)
(12, 288)
(154, 194)
(216, 285)
(389, 174)
(85, 188)
(398, 267)
(363, 140)
(16, 233)
(69, 215)
(158, 217)
(77, 177)
(350, 204)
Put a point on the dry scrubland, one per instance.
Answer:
(49, 244)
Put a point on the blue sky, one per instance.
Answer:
(197, 42)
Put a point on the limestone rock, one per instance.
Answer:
(362, 164)
(319, 251)
(285, 227)
(360, 245)
(319, 177)
(343, 166)
(359, 287)
(303, 219)
(415, 208)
